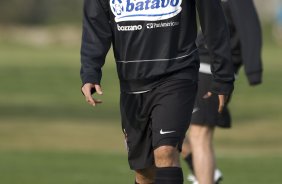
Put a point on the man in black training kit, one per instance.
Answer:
(157, 63)
(246, 44)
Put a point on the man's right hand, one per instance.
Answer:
(86, 90)
(222, 99)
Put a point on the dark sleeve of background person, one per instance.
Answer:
(96, 40)
(247, 25)
(216, 34)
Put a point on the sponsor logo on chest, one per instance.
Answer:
(144, 10)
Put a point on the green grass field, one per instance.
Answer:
(49, 135)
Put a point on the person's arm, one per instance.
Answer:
(217, 38)
(96, 42)
(247, 25)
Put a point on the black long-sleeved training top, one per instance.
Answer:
(154, 41)
(246, 39)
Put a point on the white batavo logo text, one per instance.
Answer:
(144, 10)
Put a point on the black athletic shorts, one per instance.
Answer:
(205, 111)
(156, 118)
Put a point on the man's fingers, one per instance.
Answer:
(220, 108)
(207, 95)
(98, 101)
(221, 103)
(93, 101)
(98, 89)
(90, 100)
(86, 90)
(221, 98)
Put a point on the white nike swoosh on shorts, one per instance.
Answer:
(166, 132)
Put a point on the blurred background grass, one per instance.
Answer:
(49, 135)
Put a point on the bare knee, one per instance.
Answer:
(166, 156)
(145, 176)
(199, 134)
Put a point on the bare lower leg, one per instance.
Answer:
(168, 169)
(203, 155)
(145, 176)
(167, 156)
(187, 154)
